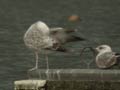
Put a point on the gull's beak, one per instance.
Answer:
(94, 50)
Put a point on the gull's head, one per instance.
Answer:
(43, 27)
(103, 48)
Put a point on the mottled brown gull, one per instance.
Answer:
(106, 58)
(37, 38)
(40, 37)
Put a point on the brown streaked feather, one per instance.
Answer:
(74, 38)
(111, 62)
(59, 49)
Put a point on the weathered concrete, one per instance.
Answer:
(71, 79)
(75, 74)
(66, 85)
(30, 85)
(83, 85)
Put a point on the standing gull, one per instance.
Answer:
(37, 38)
(106, 58)
(40, 37)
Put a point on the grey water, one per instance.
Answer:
(100, 23)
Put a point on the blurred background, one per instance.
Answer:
(99, 22)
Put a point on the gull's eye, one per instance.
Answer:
(100, 47)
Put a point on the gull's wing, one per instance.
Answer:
(73, 38)
(60, 29)
(63, 35)
(118, 58)
(111, 61)
(106, 60)
(59, 49)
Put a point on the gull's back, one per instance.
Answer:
(37, 36)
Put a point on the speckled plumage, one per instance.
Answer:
(106, 58)
(37, 36)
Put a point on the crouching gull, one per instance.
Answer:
(106, 58)
(40, 37)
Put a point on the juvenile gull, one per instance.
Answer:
(37, 38)
(40, 37)
(106, 58)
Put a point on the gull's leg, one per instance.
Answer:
(36, 63)
(46, 57)
(47, 63)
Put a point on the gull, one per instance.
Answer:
(106, 58)
(37, 38)
(40, 37)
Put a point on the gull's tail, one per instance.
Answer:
(59, 49)
(62, 49)
(75, 38)
(118, 58)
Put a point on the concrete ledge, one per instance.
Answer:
(30, 85)
(83, 85)
(75, 74)
(66, 85)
